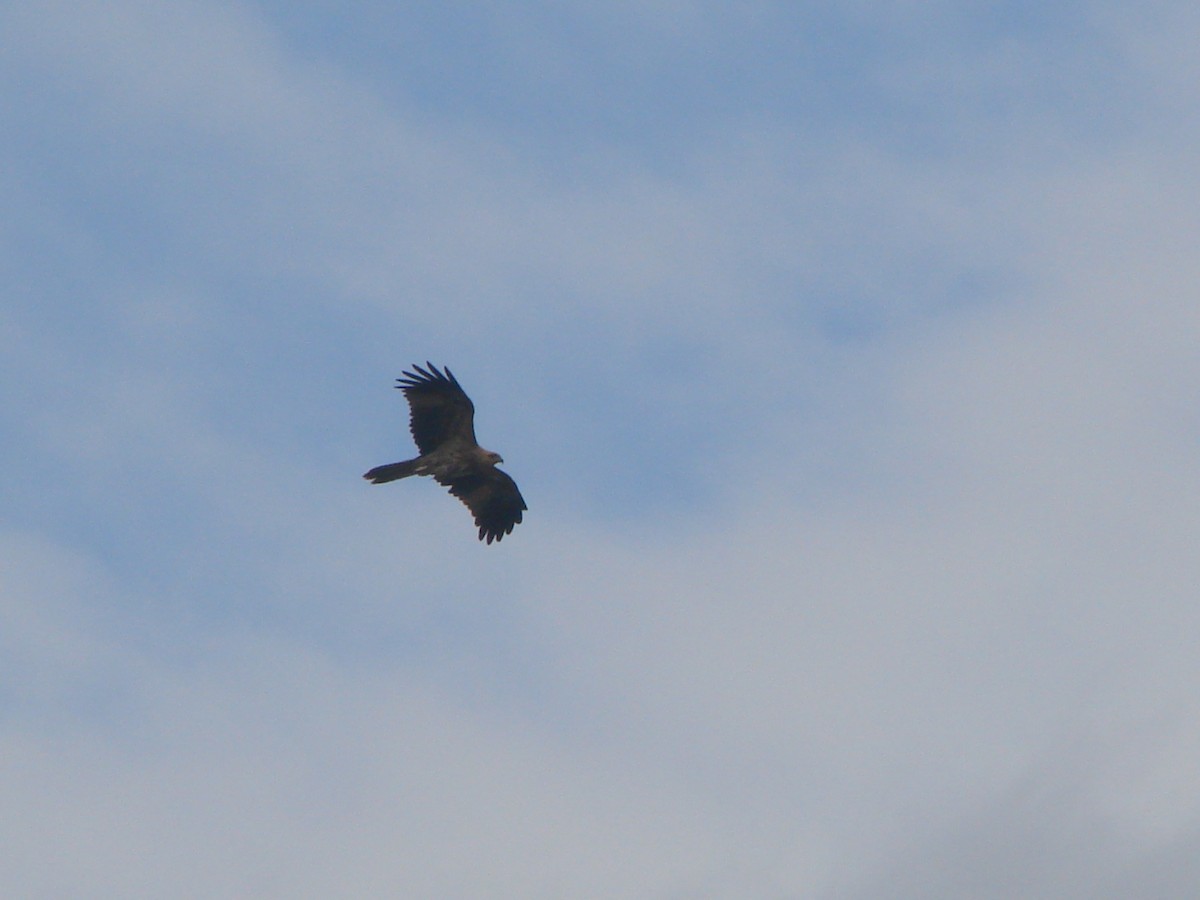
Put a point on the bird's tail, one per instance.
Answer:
(392, 471)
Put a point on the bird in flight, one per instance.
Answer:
(442, 422)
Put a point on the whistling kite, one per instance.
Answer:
(441, 420)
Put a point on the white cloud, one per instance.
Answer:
(265, 769)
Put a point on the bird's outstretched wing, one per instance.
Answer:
(440, 410)
(493, 498)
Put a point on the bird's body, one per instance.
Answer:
(442, 421)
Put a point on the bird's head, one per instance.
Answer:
(494, 458)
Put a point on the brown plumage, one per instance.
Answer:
(442, 422)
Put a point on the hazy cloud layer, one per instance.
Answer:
(847, 361)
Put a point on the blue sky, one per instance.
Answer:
(843, 352)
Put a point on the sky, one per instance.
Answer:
(845, 354)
